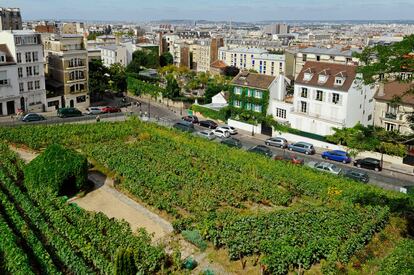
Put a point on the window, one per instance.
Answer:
(339, 81)
(258, 94)
(36, 70)
(237, 90)
(21, 87)
(281, 113)
(318, 58)
(369, 117)
(390, 127)
(335, 98)
(80, 99)
(307, 76)
(322, 78)
(28, 57)
(2, 58)
(258, 108)
(29, 71)
(319, 95)
(35, 56)
(303, 107)
(30, 86)
(19, 57)
(248, 106)
(392, 108)
(304, 93)
(37, 84)
(237, 103)
(304, 57)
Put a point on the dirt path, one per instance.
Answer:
(114, 204)
(26, 155)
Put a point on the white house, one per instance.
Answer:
(24, 82)
(329, 95)
(280, 103)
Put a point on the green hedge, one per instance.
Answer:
(57, 170)
(401, 260)
(138, 87)
(222, 115)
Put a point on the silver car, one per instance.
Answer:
(230, 129)
(94, 110)
(325, 167)
(277, 141)
(206, 134)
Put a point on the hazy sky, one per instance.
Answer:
(236, 10)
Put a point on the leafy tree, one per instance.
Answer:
(231, 71)
(166, 59)
(93, 35)
(118, 77)
(172, 89)
(212, 89)
(98, 78)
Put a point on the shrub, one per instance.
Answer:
(57, 170)
(195, 238)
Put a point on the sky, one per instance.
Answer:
(226, 10)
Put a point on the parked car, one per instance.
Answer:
(368, 163)
(206, 134)
(208, 124)
(232, 142)
(68, 112)
(356, 175)
(192, 119)
(184, 126)
(230, 129)
(261, 150)
(302, 147)
(277, 141)
(325, 167)
(221, 133)
(337, 155)
(94, 110)
(110, 109)
(32, 117)
(293, 159)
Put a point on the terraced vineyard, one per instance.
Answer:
(45, 235)
(287, 217)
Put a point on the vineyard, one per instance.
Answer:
(286, 217)
(42, 234)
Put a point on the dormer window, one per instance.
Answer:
(307, 76)
(339, 81)
(2, 57)
(322, 78)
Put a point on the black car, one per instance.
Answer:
(368, 163)
(232, 142)
(356, 175)
(33, 117)
(192, 119)
(184, 126)
(261, 150)
(208, 123)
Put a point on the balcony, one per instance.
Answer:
(4, 82)
(390, 116)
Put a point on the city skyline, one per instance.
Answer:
(234, 10)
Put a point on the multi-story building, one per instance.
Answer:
(113, 54)
(10, 19)
(67, 71)
(393, 104)
(250, 92)
(25, 49)
(328, 95)
(254, 59)
(276, 29)
(9, 87)
(201, 55)
(296, 59)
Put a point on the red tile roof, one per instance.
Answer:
(392, 90)
(253, 80)
(219, 64)
(329, 69)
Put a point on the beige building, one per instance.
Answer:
(67, 71)
(201, 56)
(10, 19)
(392, 106)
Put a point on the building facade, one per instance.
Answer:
(327, 96)
(10, 19)
(9, 86)
(393, 104)
(25, 49)
(255, 59)
(114, 54)
(67, 71)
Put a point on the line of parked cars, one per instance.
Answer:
(102, 110)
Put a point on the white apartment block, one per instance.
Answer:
(24, 87)
(114, 54)
(253, 59)
(330, 95)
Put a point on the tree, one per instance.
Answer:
(231, 71)
(98, 78)
(172, 89)
(118, 77)
(212, 89)
(166, 59)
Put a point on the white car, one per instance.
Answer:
(228, 128)
(94, 110)
(325, 167)
(221, 133)
(206, 134)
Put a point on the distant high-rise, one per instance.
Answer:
(10, 19)
(277, 29)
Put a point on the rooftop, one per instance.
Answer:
(253, 80)
(245, 50)
(9, 58)
(330, 70)
(330, 51)
(395, 89)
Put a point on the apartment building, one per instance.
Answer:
(328, 95)
(113, 54)
(276, 29)
(390, 113)
(253, 59)
(201, 55)
(296, 59)
(24, 82)
(67, 71)
(10, 19)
